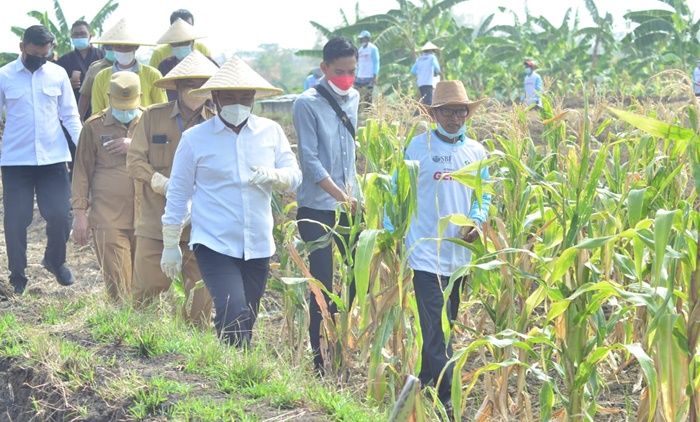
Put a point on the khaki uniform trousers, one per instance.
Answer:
(115, 250)
(150, 282)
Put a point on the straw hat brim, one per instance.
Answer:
(171, 83)
(179, 31)
(260, 92)
(123, 42)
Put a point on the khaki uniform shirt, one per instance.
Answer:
(152, 150)
(101, 183)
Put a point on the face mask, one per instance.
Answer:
(124, 59)
(80, 43)
(528, 71)
(235, 114)
(460, 133)
(33, 63)
(109, 55)
(341, 84)
(125, 116)
(182, 51)
(190, 101)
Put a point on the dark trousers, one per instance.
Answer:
(426, 94)
(52, 188)
(321, 267)
(236, 287)
(435, 353)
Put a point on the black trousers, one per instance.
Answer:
(52, 188)
(321, 267)
(426, 94)
(435, 353)
(236, 287)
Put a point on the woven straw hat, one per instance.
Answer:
(179, 31)
(121, 34)
(125, 90)
(453, 93)
(237, 75)
(430, 47)
(195, 66)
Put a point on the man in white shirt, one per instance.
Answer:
(425, 69)
(367, 68)
(696, 79)
(37, 97)
(228, 167)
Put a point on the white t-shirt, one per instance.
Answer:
(438, 198)
(425, 68)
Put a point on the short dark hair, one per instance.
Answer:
(337, 48)
(38, 35)
(81, 22)
(183, 14)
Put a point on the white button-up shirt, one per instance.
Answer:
(35, 105)
(212, 166)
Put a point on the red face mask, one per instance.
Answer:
(343, 82)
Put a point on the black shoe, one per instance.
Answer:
(19, 283)
(63, 274)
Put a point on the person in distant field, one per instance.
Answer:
(164, 51)
(438, 153)
(696, 79)
(367, 68)
(150, 161)
(425, 69)
(533, 84)
(228, 168)
(86, 86)
(103, 192)
(36, 98)
(124, 41)
(76, 64)
(326, 148)
(313, 78)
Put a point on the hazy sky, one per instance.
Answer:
(243, 25)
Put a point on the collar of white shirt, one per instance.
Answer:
(253, 124)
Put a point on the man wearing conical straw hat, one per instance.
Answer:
(235, 160)
(164, 51)
(440, 152)
(425, 69)
(149, 163)
(125, 42)
(103, 192)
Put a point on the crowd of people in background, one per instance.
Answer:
(173, 173)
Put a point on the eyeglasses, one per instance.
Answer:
(452, 112)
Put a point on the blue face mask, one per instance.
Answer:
(528, 71)
(80, 43)
(109, 55)
(182, 51)
(125, 116)
(459, 135)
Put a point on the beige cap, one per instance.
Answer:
(125, 90)
(237, 75)
(195, 66)
(123, 33)
(179, 31)
(430, 47)
(453, 93)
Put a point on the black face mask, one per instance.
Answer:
(32, 63)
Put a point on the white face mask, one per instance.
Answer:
(124, 59)
(235, 114)
(341, 92)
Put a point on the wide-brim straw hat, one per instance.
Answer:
(454, 93)
(237, 75)
(430, 47)
(179, 31)
(123, 33)
(195, 66)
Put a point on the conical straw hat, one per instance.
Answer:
(179, 31)
(195, 66)
(122, 34)
(430, 47)
(236, 75)
(453, 93)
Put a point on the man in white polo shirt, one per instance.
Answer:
(37, 97)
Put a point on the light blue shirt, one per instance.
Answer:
(325, 146)
(696, 80)
(425, 69)
(533, 89)
(35, 106)
(212, 167)
(367, 61)
(438, 198)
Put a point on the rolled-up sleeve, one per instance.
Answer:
(305, 125)
(286, 161)
(181, 185)
(68, 110)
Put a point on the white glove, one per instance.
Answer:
(171, 259)
(266, 177)
(159, 183)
